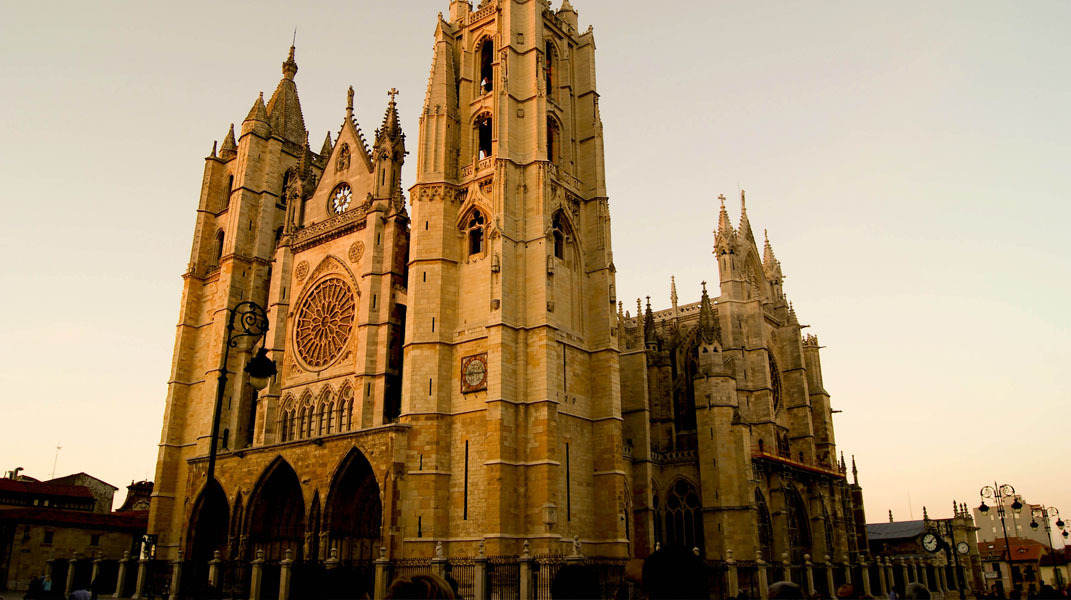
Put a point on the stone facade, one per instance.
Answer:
(458, 370)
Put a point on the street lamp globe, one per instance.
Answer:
(260, 369)
(983, 508)
(1017, 506)
(1034, 525)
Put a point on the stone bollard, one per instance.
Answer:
(214, 567)
(382, 568)
(883, 589)
(120, 583)
(479, 574)
(286, 567)
(847, 570)
(176, 577)
(865, 574)
(96, 567)
(332, 561)
(764, 583)
(829, 576)
(68, 586)
(525, 563)
(808, 573)
(734, 577)
(786, 567)
(256, 576)
(142, 581)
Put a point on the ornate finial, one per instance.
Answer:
(383, 552)
(439, 550)
(673, 289)
(704, 286)
(925, 515)
(743, 202)
(855, 472)
(392, 93)
(349, 102)
(213, 155)
(290, 67)
(890, 516)
(481, 548)
(525, 553)
(648, 302)
(722, 198)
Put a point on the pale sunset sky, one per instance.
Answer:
(910, 161)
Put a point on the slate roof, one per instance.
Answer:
(898, 530)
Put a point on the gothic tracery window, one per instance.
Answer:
(775, 382)
(683, 516)
(474, 232)
(799, 531)
(558, 230)
(324, 322)
(765, 527)
(553, 137)
(487, 55)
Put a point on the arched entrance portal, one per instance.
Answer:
(277, 514)
(353, 514)
(209, 524)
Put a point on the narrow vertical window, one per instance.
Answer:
(219, 248)
(553, 134)
(487, 55)
(558, 231)
(548, 68)
(433, 324)
(568, 489)
(465, 510)
(474, 229)
(483, 137)
(429, 393)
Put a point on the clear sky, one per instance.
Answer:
(910, 161)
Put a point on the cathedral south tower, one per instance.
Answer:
(511, 382)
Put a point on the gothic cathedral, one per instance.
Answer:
(454, 373)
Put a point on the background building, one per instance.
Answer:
(945, 548)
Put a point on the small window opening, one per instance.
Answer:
(475, 233)
(553, 135)
(219, 247)
(559, 236)
(487, 52)
(549, 68)
(286, 183)
(484, 132)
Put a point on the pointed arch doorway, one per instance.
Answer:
(209, 525)
(276, 522)
(352, 523)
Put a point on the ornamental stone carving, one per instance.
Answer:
(324, 322)
(302, 270)
(356, 251)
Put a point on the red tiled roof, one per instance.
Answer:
(130, 520)
(1021, 549)
(45, 489)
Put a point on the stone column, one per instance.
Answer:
(285, 573)
(808, 573)
(96, 567)
(527, 593)
(143, 578)
(382, 567)
(764, 584)
(786, 567)
(734, 577)
(479, 575)
(847, 570)
(176, 577)
(68, 585)
(256, 576)
(120, 584)
(883, 587)
(919, 572)
(829, 576)
(956, 582)
(865, 574)
(942, 579)
(213, 569)
(903, 571)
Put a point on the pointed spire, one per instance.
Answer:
(213, 155)
(792, 319)
(258, 112)
(648, 322)
(229, 149)
(390, 129)
(955, 509)
(708, 318)
(673, 290)
(328, 146)
(725, 227)
(284, 108)
(745, 225)
(768, 257)
(855, 472)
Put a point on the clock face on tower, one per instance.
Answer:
(929, 542)
(963, 548)
(474, 373)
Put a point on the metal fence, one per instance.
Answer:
(504, 577)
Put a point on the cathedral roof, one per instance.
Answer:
(284, 108)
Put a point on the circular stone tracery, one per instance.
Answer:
(324, 322)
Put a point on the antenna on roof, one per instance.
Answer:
(54, 460)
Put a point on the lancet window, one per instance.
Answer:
(487, 55)
(765, 527)
(559, 229)
(474, 233)
(684, 519)
(483, 137)
(550, 59)
(553, 140)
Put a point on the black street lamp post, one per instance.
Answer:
(253, 322)
(1048, 513)
(998, 493)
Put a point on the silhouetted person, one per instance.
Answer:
(421, 587)
(916, 591)
(575, 582)
(674, 573)
(785, 589)
(451, 581)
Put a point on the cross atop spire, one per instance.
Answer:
(392, 93)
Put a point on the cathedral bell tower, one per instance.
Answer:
(511, 384)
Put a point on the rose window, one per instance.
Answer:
(340, 198)
(324, 322)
